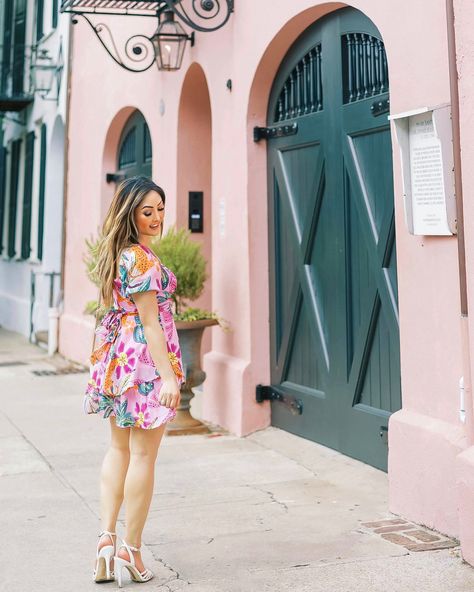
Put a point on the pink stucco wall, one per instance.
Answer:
(426, 435)
(464, 20)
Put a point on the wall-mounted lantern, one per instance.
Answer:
(170, 41)
(166, 46)
(45, 72)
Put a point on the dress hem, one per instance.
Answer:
(169, 417)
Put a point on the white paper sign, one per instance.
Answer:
(427, 181)
(425, 138)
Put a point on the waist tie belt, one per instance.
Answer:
(108, 329)
(110, 325)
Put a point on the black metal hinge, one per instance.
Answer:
(267, 393)
(267, 133)
(380, 107)
(114, 177)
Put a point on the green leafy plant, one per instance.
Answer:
(183, 256)
(196, 314)
(90, 258)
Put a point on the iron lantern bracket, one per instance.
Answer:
(198, 17)
(138, 52)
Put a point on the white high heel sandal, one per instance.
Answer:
(120, 563)
(102, 571)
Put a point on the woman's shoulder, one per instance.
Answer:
(133, 252)
(139, 257)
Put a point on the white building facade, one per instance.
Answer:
(34, 49)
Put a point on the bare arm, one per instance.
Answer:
(148, 311)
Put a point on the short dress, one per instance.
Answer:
(124, 381)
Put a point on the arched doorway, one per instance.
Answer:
(134, 154)
(333, 283)
(194, 184)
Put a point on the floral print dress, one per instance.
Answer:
(124, 381)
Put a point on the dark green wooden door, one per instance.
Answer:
(334, 314)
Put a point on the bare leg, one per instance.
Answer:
(144, 445)
(112, 479)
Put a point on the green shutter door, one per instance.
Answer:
(135, 150)
(13, 195)
(334, 329)
(7, 46)
(27, 195)
(3, 196)
(42, 185)
(18, 72)
(39, 19)
(54, 19)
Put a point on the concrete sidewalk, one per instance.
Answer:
(268, 512)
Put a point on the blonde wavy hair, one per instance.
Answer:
(119, 230)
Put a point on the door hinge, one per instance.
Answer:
(114, 177)
(268, 393)
(267, 133)
(380, 107)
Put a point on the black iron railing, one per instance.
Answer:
(365, 69)
(16, 91)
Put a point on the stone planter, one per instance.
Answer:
(190, 337)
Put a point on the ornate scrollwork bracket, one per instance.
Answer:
(138, 53)
(202, 15)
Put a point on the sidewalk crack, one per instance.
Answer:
(167, 566)
(271, 494)
(59, 476)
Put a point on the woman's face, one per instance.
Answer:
(149, 214)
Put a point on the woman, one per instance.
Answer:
(136, 369)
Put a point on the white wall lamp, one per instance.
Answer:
(45, 72)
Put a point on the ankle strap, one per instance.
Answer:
(109, 533)
(130, 549)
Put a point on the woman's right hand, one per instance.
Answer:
(170, 395)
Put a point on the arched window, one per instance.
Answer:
(135, 149)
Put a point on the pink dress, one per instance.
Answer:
(124, 381)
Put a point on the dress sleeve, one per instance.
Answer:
(143, 271)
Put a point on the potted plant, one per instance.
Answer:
(183, 256)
